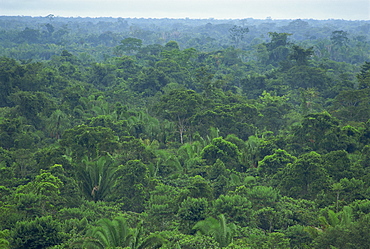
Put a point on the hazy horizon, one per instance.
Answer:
(193, 9)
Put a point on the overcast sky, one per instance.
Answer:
(218, 9)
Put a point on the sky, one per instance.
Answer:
(203, 9)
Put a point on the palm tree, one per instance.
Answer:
(189, 155)
(217, 228)
(204, 141)
(116, 233)
(57, 123)
(342, 218)
(142, 125)
(237, 180)
(249, 154)
(167, 163)
(139, 242)
(166, 129)
(97, 178)
(333, 219)
(101, 107)
(108, 234)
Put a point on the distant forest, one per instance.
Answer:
(142, 133)
(39, 38)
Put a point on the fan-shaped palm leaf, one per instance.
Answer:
(111, 233)
(217, 228)
(97, 178)
(139, 242)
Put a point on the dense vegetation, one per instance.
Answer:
(161, 133)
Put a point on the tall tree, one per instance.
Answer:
(271, 164)
(92, 142)
(129, 46)
(339, 37)
(364, 76)
(242, 116)
(277, 47)
(304, 178)
(33, 105)
(131, 185)
(223, 150)
(319, 132)
(301, 55)
(179, 106)
(191, 211)
(57, 123)
(237, 34)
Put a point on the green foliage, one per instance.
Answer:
(305, 177)
(271, 164)
(189, 155)
(352, 189)
(92, 142)
(41, 232)
(96, 178)
(298, 211)
(43, 190)
(353, 235)
(4, 243)
(257, 239)
(162, 206)
(242, 116)
(90, 210)
(134, 149)
(108, 233)
(14, 134)
(222, 232)
(339, 37)
(16, 77)
(129, 45)
(306, 77)
(170, 122)
(102, 75)
(237, 34)
(301, 55)
(274, 110)
(236, 208)
(319, 132)
(277, 47)
(179, 240)
(131, 185)
(298, 236)
(32, 105)
(46, 157)
(261, 196)
(223, 150)
(178, 106)
(150, 81)
(199, 188)
(352, 105)
(117, 233)
(191, 211)
(273, 240)
(364, 76)
(338, 165)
